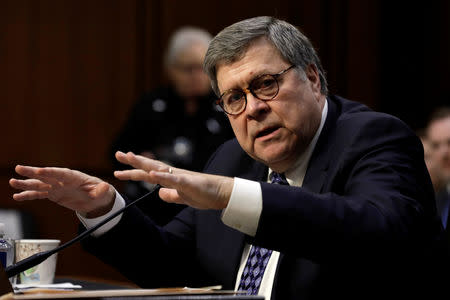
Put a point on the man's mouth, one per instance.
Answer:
(266, 131)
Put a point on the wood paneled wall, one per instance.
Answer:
(70, 71)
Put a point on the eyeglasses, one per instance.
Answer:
(264, 87)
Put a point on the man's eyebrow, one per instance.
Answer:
(260, 73)
(247, 82)
(256, 75)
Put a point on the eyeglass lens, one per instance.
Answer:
(264, 88)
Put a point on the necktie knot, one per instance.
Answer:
(278, 178)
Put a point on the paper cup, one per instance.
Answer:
(43, 273)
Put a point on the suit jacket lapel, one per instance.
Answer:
(319, 162)
(257, 171)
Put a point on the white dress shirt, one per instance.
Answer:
(242, 213)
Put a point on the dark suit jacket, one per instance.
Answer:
(442, 200)
(363, 225)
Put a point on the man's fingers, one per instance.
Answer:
(44, 174)
(136, 175)
(100, 190)
(121, 157)
(163, 178)
(30, 195)
(170, 195)
(25, 170)
(29, 184)
(140, 162)
(166, 179)
(131, 159)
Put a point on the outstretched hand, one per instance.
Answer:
(180, 186)
(75, 190)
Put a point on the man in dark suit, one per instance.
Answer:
(357, 220)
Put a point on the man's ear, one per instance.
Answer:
(313, 76)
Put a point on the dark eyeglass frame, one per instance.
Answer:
(249, 89)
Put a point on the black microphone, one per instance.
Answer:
(37, 258)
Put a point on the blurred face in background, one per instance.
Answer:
(438, 135)
(186, 73)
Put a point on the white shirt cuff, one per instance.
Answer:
(119, 203)
(245, 206)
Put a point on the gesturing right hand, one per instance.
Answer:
(88, 195)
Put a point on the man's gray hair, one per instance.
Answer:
(183, 38)
(232, 42)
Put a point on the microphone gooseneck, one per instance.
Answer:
(37, 258)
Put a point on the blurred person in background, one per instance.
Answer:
(438, 157)
(178, 123)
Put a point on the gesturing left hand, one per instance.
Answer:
(73, 189)
(199, 190)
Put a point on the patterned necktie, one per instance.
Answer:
(258, 257)
(278, 178)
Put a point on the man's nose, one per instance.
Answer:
(255, 106)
